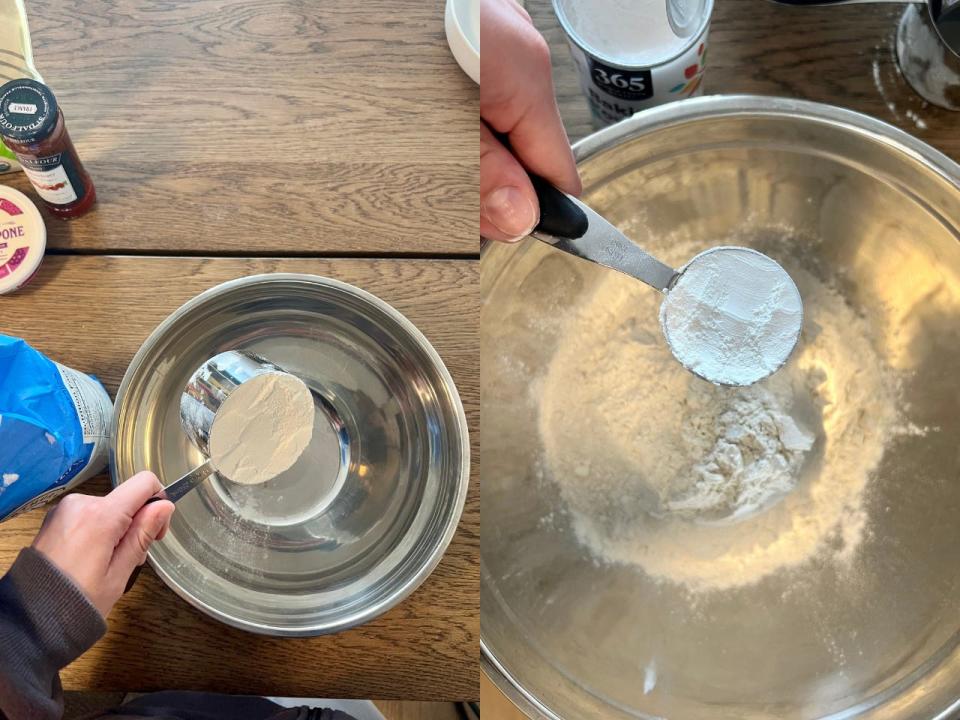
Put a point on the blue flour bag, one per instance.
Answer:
(54, 427)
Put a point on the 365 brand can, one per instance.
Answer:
(634, 54)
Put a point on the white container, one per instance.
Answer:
(462, 25)
(634, 54)
(23, 239)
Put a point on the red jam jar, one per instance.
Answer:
(32, 126)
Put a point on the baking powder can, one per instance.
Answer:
(634, 54)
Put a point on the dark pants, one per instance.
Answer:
(175, 705)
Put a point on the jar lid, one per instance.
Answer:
(28, 110)
(23, 239)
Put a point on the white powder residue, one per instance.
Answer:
(753, 455)
(714, 487)
(631, 32)
(9, 479)
(733, 316)
(889, 85)
(262, 428)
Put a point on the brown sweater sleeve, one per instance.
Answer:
(46, 622)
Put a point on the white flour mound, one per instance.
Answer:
(714, 487)
(262, 428)
(752, 454)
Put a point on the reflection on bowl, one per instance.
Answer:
(835, 595)
(311, 551)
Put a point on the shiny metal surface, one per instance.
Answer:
(181, 486)
(318, 555)
(210, 385)
(578, 640)
(928, 46)
(305, 489)
(604, 244)
(929, 64)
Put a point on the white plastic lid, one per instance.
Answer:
(462, 23)
(23, 239)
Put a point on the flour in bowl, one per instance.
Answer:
(714, 487)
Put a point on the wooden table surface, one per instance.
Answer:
(233, 138)
(838, 55)
(394, 710)
(92, 313)
(264, 126)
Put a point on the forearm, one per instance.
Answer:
(46, 622)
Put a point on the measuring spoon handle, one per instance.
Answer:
(177, 489)
(173, 492)
(573, 227)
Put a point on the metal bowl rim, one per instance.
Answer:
(711, 107)
(722, 106)
(408, 586)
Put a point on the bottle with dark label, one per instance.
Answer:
(33, 127)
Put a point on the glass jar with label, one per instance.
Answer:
(32, 126)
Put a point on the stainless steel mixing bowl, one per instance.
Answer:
(570, 637)
(348, 531)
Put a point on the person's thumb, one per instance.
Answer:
(149, 524)
(508, 204)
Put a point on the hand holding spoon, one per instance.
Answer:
(220, 413)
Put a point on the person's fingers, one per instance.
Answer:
(516, 94)
(130, 496)
(508, 204)
(147, 526)
(166, 526)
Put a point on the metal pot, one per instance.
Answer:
(303, 554)
(573, 638)
(928, 46)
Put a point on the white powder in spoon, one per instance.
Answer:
(733, 317)
(262, 428)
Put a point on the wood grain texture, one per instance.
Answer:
(264, 126)
(92, 313)
(838, 55)
(394, 710)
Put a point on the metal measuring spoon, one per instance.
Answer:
(173, 492)
(944, 14)
(207, 389)
(570, 225)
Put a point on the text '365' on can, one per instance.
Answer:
(634, 54)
